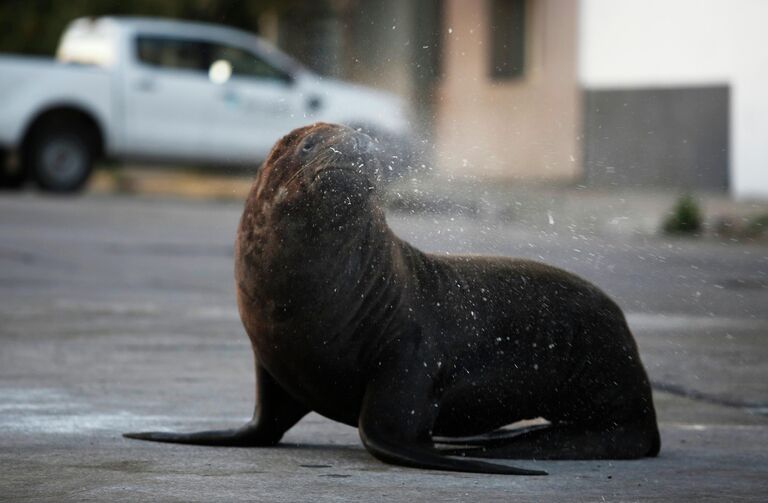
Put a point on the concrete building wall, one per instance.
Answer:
(526, 127)
(377, 52)
(390, 45)
(688, 43)
(393, 45)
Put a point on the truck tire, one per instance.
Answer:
(10, 179)
(60, 156)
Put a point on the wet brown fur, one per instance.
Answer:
(348, 320)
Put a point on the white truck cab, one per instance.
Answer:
(165, 90)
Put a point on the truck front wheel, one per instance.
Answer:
(60, 157)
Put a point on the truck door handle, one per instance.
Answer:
(146, 85)
(230, 96)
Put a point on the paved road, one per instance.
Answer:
(118, 314)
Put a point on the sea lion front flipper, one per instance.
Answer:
(396, 421)
(275, 413)
(237, 437)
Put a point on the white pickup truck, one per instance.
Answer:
(162, 90)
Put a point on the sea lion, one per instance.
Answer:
(414, 349)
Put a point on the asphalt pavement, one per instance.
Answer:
(118, 314)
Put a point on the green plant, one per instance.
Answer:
(757, 226)
(685, 217)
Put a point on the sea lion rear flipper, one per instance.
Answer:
(396, 421)
(276, 411)
(568, 441)
(492, 438)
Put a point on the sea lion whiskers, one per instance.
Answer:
(298, 172)
(320, 159)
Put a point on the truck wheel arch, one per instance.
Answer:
(65, 112)
(78, 124)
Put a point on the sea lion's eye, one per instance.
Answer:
(308, 145)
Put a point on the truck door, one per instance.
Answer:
(256, 103)
(167, 92)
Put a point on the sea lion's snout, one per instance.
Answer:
(348, 153)
(365, 145)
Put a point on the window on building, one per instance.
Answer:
(507, 29)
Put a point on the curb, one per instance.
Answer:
(539, 207)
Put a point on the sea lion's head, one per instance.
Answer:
(324, 169)
(314, 195)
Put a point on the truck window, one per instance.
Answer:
(167, 52)
(199, 55)
(245, 63)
